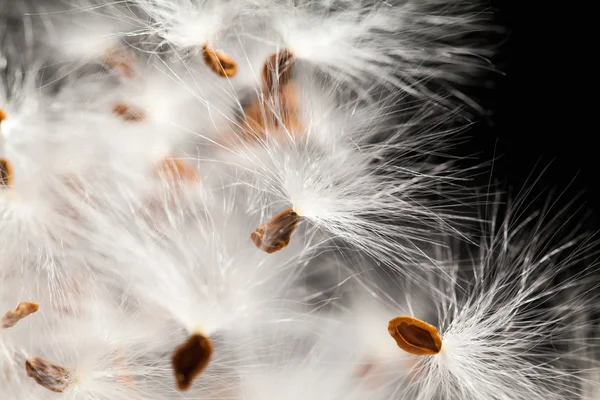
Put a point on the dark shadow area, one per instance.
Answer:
(537, 121)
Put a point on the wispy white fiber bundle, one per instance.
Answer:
(235, 199)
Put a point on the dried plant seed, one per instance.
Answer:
(277, 70)
(51, 376)
(128, 113)
(190, 359)
(11, 318)
(2, 115)
(222, 64)
(275, 234)
(415, 336)
(6, 173)
(120, 60)
(177, 169)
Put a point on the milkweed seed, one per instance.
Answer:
(51, 376)
(190, 359)
(11, 318)
(277, 70)
(275, 234)
(6, 173)
(222, 64)
(128, 113)
(415, 336)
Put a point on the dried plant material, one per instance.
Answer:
(289, 99)
(415, 336)
(277, 70)
(128, 113)
(6, 173)
(275, 234)
(177, 169)
(120, 60)
(2, 115)
(51, 376)
(11, 318)
(190, 359)
(219, 62)
(259, 117)
(126, 380)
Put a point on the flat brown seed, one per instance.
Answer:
(128, 113)
(11, 318)
(120, 60)
(51, 376)
(219, 62)
(177, 169)
(6, 173)
(415, 336)
(277, 70)
(275, 234)
(190, 359)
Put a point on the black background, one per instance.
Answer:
(539, 113)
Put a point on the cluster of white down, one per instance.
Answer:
(130, 189)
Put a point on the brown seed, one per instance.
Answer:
(177, 169)
(275, 234)
(6, 173)
(277, 70)
(51, 376)
(11, 318)
(120, 60)
(190, 359)
(218, 61)
(2, 115)
(415, 336)
(128, 113)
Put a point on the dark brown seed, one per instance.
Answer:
(219, 62)
(415, 336)
(11, 318)
(277, 70)
(6, 173)
(51, 376)
(128, 113)
(275, 234)
(190, 359)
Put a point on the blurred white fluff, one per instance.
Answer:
(360, 45)
(517, 321)
(136, 179)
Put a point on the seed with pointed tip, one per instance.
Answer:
(277, 70)
(128, 113)
(218, 61)
(415, 336)
(190, 359)
(11, 318)
(51, 376)
(6, 173)
(275, 234)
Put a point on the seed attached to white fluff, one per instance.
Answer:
(222, 64)
(11, 318)
(6, 173)
(49, 375)
(190, 359)
(276, 234)
(277, 70)
(415, 336)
